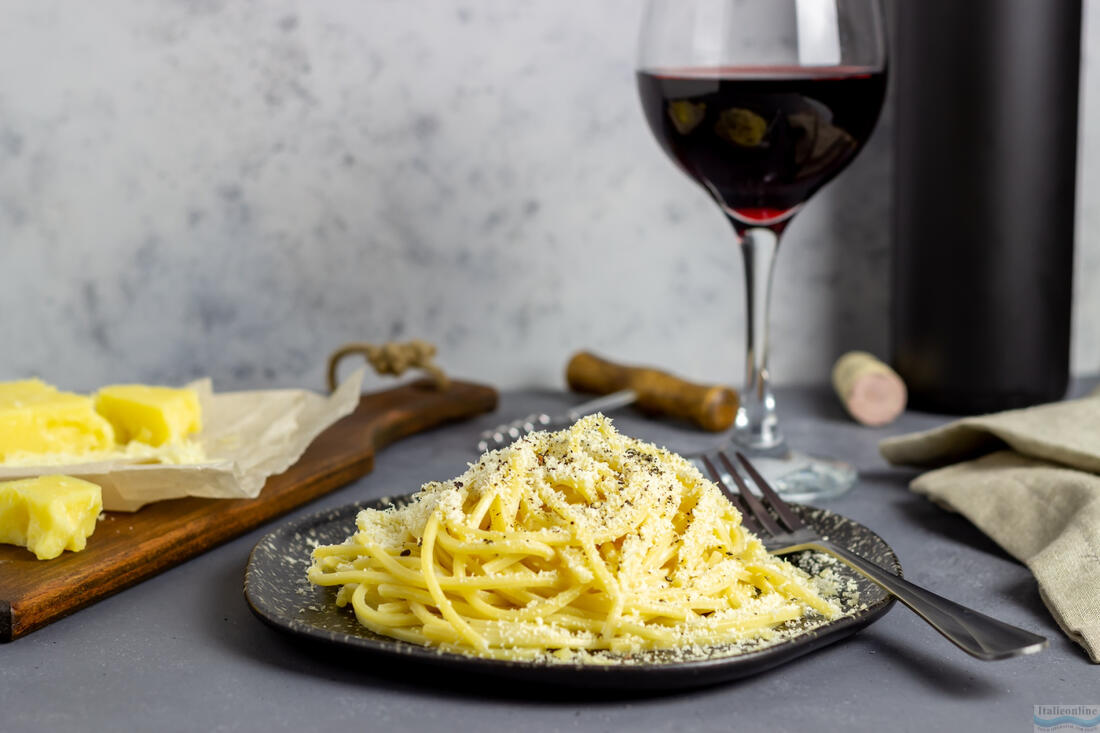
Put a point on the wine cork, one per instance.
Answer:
(871, 392)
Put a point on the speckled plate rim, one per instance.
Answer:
(270, 553)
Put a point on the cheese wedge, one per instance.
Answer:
(37, 418)
(150, 415)
(49, 514)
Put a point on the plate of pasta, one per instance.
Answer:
(582, 557)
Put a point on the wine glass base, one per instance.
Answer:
(797, 476)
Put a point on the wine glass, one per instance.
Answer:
(763, 102)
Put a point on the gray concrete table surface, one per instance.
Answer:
(183, 652)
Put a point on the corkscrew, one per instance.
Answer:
(710, 407)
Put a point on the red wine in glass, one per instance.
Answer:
(762, 140)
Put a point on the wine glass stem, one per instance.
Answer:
(757, 425)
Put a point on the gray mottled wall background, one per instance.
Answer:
(235, 187)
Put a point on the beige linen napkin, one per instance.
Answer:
(1028, 479)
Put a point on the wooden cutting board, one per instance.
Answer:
(127, 548)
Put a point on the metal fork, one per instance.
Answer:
(975, 633)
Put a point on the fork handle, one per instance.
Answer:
(975, 633)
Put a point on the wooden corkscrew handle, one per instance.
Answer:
(711, 407)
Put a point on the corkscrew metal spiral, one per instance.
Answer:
(502, 435)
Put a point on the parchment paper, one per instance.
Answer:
(246, 437)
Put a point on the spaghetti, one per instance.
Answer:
(567, 542)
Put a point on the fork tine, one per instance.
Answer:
(758, 510)
(747, 518)
(786, 514)
(717, 476)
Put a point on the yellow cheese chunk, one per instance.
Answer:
(150, 415)
(36, 418)
(49, 514)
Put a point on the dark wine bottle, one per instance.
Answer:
(986, 148)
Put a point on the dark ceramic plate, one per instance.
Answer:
(276, 588)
